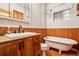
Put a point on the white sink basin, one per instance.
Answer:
(20, 35)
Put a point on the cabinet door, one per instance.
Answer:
(1, 50)
(10, 49)
(14, 50)
(27, 49)
(36, 46)
(4, 50)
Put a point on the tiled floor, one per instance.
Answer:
(54, 52)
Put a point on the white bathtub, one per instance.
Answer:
(62, 44)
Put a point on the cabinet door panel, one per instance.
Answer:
(6, 51)
(36, 46)
(1, 50)
(28, 46)
(10, 49)
(14, 50)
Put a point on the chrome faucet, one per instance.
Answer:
(20, 29)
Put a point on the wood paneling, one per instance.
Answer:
(58, 32)
(51, 32)
(13, 29)
(3, 28)
(64, 32)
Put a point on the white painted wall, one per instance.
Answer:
(39, 19)
(14, 6)
(44, 22)
(4, 5)
(36, 17)
(72, 23)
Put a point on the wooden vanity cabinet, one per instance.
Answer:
(29, 46)
(10, 49)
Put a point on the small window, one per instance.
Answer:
(62, 15)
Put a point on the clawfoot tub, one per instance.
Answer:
(62, 44)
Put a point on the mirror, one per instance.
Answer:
(21, 11)
(17, 11)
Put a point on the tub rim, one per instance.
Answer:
(45, 38)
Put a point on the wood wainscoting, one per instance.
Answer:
(72, 33)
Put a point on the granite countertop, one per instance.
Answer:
(4, 39)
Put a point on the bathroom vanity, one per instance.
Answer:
(24, 46)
